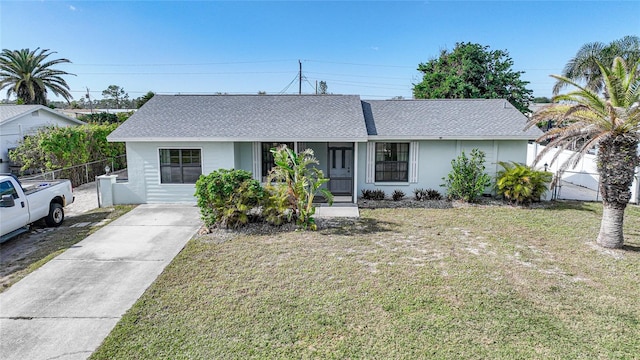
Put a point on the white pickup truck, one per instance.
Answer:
(23, 204)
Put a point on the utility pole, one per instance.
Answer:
(300, 78)
(316, 87)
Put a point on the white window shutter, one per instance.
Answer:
(413, 161)
(257, 161)
(371, 163)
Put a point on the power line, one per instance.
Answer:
(191, 64)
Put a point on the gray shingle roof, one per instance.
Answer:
(446, 119)
(11, 112)
(246, 117)
(319, 118)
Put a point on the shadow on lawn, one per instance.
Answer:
(632, 248)
(356, 226)
(572, 205)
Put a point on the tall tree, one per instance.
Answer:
(473, 71)
(612, 125)
(115, 96)
(29, 74)
(584, 68)
(144, 98)
(322, 88)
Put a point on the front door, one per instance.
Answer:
(341, 170)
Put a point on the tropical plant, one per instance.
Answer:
(226, 197)
(302, 180)
(520, 183)
(612, 125)
(276, 205)
(28, 74)
(467, 180)
(585, 66)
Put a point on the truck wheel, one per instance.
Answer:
(56, 215)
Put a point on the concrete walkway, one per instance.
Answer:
(66, 308)
(337, 210)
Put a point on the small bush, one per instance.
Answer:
(373, 194)
(429, 194)
(467, 180)
(432, 194)
(397, 195)
(521, 184)
(226, 197)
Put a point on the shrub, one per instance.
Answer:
(376, 194)
(397, 195)
(226, 197)
(467, 179)
(432, 194)
(429, 194)
(52, 148)
(520, 183)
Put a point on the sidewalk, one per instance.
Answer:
(66, 308)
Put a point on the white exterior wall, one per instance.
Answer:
(13, 131)
(143, 164)
(584, 174)
(434, 162)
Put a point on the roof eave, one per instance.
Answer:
(234, 139)
(450, 137)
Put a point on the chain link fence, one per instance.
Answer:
(84, 173)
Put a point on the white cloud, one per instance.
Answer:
(375, 48)
(72, 8)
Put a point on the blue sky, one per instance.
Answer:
(369, 48)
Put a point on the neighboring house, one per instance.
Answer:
(360, 144)
(77, 113)
(17, 121)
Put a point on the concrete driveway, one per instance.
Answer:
(66, 308)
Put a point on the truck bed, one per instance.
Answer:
(32, 186)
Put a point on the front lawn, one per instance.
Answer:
(471, 282)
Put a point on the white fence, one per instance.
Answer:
(578, 183)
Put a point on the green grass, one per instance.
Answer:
(474, 282)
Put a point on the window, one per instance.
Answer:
(267, 156)
(6, 188)
(180, 166)
(392, 162)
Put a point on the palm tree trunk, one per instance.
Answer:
(617, 160)
(611, 228)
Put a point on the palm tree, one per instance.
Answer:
(612, 125)
(28, 75)
(584, 66)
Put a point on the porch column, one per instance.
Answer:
(355, 173)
